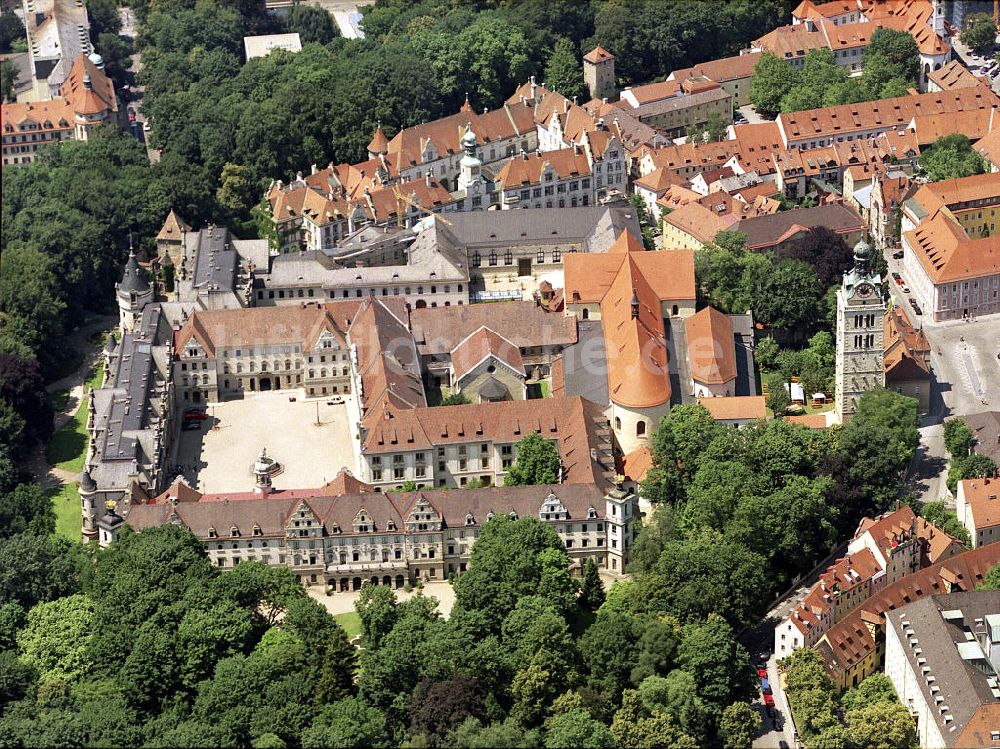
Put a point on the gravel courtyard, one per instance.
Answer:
(220, 455)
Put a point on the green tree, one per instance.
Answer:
(882, 724)
(8, 76)
(506, 735)
(992, 579)
(37, 568)
(890, 55)
(872, 690)
(311, 23)
(512, 559)
(577, 729)
(719, 664)
(677, 444)
(11, 29)
(789, 300)
(739, 725)
(958, 437)
(710, 573)
(610, 648)
(377, 607)
(951, 156)
(349, 722)
(56, 639)
(563, 72)
(970, 467)
(454, 399)
(978, 32)
(778, 398)
(592, 590)
(237, 192)
(636, 727)
(437, 708)
(772, 79)
(766, 353)
(716, 127)
(537, 462)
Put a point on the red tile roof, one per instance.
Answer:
(598, 54)
(711, 347)
(479, 346)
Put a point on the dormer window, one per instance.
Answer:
(591, 513)
(513, 515)
(234, 532)
(391, 525)
(257, 531)
(469, 520)
(489, 516)
(212, 533)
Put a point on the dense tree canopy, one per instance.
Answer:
(978, 32)
(951, 156)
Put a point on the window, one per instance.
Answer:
(640, 428)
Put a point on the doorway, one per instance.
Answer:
(524, 266)
(265, 383)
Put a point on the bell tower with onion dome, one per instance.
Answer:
(860, 337)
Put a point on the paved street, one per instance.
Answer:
(135, 102)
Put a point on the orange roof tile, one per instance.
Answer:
(598, 54)
(947, 254)
(721, 70)
(46, 116)
(981, 496)
(529, 169)
(637, 463)
(699, 222)
(480, 345)
(811, 421)
(711, 347)
(953, 75)
(736, 407)
(379, 143)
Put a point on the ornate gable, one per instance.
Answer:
(363, 522)
(552, 509)
(423, 517)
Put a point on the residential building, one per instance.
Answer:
(83, 101)
(262, 46)
(882, 551)
(814, 128)
(733, 74)
(599, 73)
(130, 418)
(539, 335)
(691, 226)
(652, 187)
(778, 231)
(854, 647)
(58, 32)
(888, 190)
(677, 115)
(907, 358)
(861, 310)
(568, 177)
(951, 260)
(449, 446)
(951, 76)
(344, 538)
(942, 654)
(978, 509)
(221, 354)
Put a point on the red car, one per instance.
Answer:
(769, 700)
(194, 414)
(762, 673)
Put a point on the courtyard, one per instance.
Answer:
(219, 455)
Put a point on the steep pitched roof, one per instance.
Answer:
(953, 75)
(598, 54)
(947, 254)
(88, 89)
(479, 346)
(529, 169)
(982, 498)
(711, 347)
(173, 228)
(736, 407)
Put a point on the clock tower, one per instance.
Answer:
(860, 337)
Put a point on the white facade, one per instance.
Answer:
(907, 686)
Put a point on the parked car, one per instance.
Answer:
(131, 114)
(765, 687)
(190, 426)
(769, 700)
(916, 307)
(898, 255)
(762, 673)
(195, 414)
(335, 401)
(147, 126)
(906, 289)
(771, 712)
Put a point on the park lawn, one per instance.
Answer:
(68, 446)
(66, 504)
(351, 623)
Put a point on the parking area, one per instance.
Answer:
(311, 439)
(964, 360)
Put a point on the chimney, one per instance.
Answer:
(314, 170)
(428, 179)
(635, 305)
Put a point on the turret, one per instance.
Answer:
(88, 492)
(133, 293)
(379, 144)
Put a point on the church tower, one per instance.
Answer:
(860, 337)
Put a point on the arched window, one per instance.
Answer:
(618, 422)
(586, 314)
(239, 367)
(640, 428)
